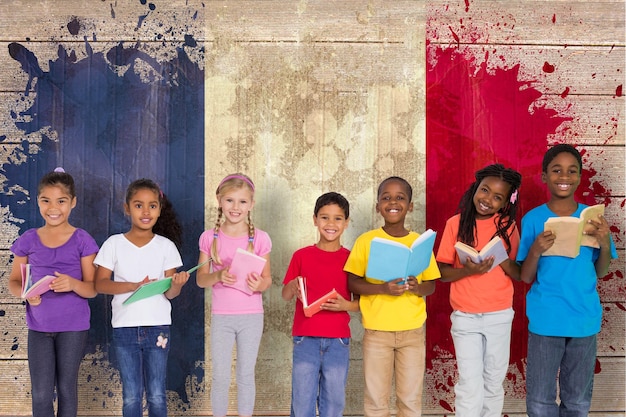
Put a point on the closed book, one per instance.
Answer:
(245, 263)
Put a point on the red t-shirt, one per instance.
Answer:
(323, 272)
(484, 293)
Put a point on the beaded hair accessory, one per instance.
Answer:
(238, 177)
(59, 169)
(513, 197)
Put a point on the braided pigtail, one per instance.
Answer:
(214, 256)
(250, 233)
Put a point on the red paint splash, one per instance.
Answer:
(565, 92)
(553, 18)
(618, 91)
(548, 68)
(475, 117)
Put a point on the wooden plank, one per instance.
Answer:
(526, 22)
(575, 68)
(271, 20)
(70, 20)
(608, 391)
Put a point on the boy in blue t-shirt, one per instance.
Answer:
(562, 305)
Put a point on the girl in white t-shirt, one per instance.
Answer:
(147, 252)
(236, 302)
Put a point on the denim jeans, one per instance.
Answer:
(570, 359)
(319, 375)
(142, 359)
(482, 342)
(400, 355)
(54, 358)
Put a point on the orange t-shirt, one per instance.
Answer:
(484, 293)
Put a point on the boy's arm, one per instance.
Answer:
(358, 285)
(603, 235)
(290, 290)
(423, 288)
(542, 243)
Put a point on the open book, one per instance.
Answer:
(30, 290)
(155, 287)
(570, 230)
(494, 248)
(244, 263)
(315, 306)
(389, 260)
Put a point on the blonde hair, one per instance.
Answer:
(229, 183)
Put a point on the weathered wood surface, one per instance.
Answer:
(350, 47)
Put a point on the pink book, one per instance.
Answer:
(244, 263)
(30, 290)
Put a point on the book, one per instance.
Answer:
(244, 263)
(315, 306)
(389, 260)
(155, 287)
(494, 248)
(569, 231)
(149, 289)
(30, 289)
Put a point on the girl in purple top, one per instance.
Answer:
(58, 320)
(236, 315)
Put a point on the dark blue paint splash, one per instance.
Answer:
(115, 126)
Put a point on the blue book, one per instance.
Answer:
(389, 260)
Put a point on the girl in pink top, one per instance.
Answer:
(482, 296)
(236, 302)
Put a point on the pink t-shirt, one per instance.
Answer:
(485, 293)
(225, 299)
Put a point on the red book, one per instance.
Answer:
(315, 306)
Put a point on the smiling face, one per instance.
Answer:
(143, 208)
(55, 204)
(491, 195)
(331, 222)
(394, 202)
(562, 176)
(236, 203)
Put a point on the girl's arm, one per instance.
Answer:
(178, 280)
(358, 285)
(451, 274)
(15, 278)
(206, 279)
(84, 288)
(104, 284)
(512, 269)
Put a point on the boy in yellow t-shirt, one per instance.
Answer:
(393, 312)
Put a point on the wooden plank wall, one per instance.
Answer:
(338, 57)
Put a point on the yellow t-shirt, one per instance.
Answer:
(382, 311)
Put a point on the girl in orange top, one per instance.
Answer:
(481, 295)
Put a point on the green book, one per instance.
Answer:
(149, 289)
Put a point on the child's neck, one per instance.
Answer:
(55, 236)
(563, 206)
(395, 229)
(139, 237)
(234, 229)
(326, 246)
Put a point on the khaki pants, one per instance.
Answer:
(394, 354)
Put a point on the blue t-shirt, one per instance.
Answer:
(563, 300)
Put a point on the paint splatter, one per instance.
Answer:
(475, 117)
(137, 117)
(73, 26)
(548, 68)
(618, 91)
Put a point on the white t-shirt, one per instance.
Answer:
(130, 263)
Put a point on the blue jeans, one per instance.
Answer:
(142, 359)
(54, 359)
(319, 375)
(570, 359)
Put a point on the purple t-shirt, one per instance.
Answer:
(62, 311)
